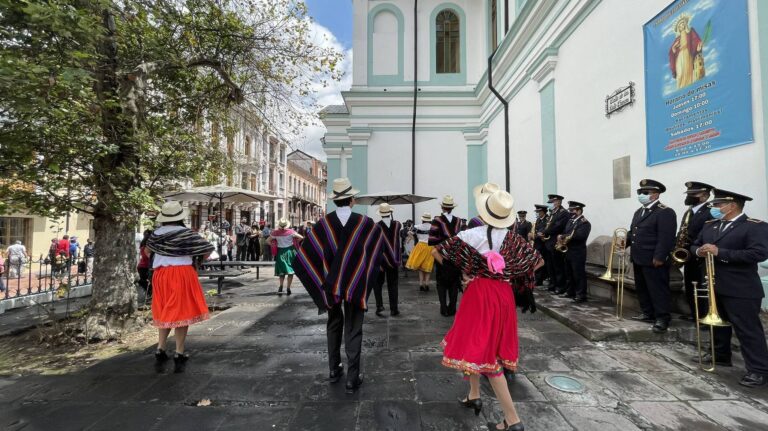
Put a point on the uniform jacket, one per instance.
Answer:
(652, 236)
(696, 223)
(524, 228)
(578, 242)
(541, 223)
(391, 246)
(556, 227)
(442, 229)
(740, 248)
(337, 263)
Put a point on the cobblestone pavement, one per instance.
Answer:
(262, 363)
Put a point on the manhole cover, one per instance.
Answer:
(565, 384)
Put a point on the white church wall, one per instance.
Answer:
(389, 167)
(525, 148)
(385, 34)
(588, 142)
(441, 169)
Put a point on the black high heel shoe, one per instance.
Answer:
(514, 427)
(476, 404)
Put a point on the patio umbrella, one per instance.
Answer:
(392, 198)
(222, 194)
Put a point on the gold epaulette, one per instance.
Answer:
(754, 220)
(662, 206)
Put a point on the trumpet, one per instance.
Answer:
(618, 248)
(712, 318)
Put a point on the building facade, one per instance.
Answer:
(307, 180)
(555, 63)
(259, 163)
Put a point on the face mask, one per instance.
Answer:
(550, 206)
(644, 199)
(716, 213)
(691, 200)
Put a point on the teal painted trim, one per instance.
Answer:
(448, 78)
(477, 172)
(519, 5)
(387, 79)
(548, 143)
(408, 94)
(334, 171)
(566, 33)
(762, 30)
(357, 171)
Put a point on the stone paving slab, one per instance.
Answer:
(594, 418)
(675, 416)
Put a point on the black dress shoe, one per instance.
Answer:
(180, 363)
(706, 358)
(160, 359)
(567, 295)
(660, 326)
(687, 318)
(336, 374)
(353, 386)
(560, 291)
(476, 404)
(579, 300)
(753, 380)
(643, 318)
(394, 313)
(514, 427)
(380, 311)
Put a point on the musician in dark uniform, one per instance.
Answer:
(576, 233)
(558, 218)
(652, 237)
(538, 243)
(523, 227)
(738, 243)
(447, 276)
(696, 196)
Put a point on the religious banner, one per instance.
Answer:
(697, 79)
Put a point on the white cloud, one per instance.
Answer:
(698, 6)
(328, 93)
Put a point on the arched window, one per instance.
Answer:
(448, 42)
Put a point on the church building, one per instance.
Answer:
(599, 95)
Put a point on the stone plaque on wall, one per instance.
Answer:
(622, 188)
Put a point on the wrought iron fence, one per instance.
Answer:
(34, 276)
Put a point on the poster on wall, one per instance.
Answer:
(697, 79)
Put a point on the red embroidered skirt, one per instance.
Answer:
(483, 338)
(177, 297)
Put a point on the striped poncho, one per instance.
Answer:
(391, 245)
(181, 242)
(336, 262)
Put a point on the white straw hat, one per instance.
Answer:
(172, 211)
(485, 188)
(497, 208)
(426, 217)
(282, 223)
(447, 202)
(342, 189)
(385, 209)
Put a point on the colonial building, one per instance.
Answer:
(426, 110)
(307, 178)
(259, 164)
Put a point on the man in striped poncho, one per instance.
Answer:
(336, 263)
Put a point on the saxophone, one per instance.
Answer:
(562, 241)
(681, 254)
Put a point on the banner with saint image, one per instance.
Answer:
(698, 93)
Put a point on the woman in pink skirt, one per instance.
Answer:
(483, 339)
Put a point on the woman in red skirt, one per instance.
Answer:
(483, 339)
(177, 297)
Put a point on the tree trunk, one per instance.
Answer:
(113, 303)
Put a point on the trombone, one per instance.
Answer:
(712, 318)
(618, 247)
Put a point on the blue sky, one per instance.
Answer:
(336, 15)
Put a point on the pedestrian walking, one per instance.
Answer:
(421, 257)
(391, 261)
(74, 249)
(88, 253)
(230, 245)
(177, 297)
(336, 263)
(286, 253)
(447, 277)
(266, 247)
(241, 239)
(254, 248)
(483, 339)
(17, 258)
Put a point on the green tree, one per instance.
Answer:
(102, 103)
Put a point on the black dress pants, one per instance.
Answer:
(691, 273)
(448, 281)
(390, 275)
(652, 286)
(744, 316)
(345, 319)
(577, 274)
(557, 269)
(242, 252)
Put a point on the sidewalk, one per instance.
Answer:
(262, 364)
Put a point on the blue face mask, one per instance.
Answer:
(644, 199)
(550, 206)
(716, 213)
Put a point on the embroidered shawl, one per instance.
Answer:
(182, 242)
(519, 256)
(336, 263)
(442, 229)
(391, 244)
